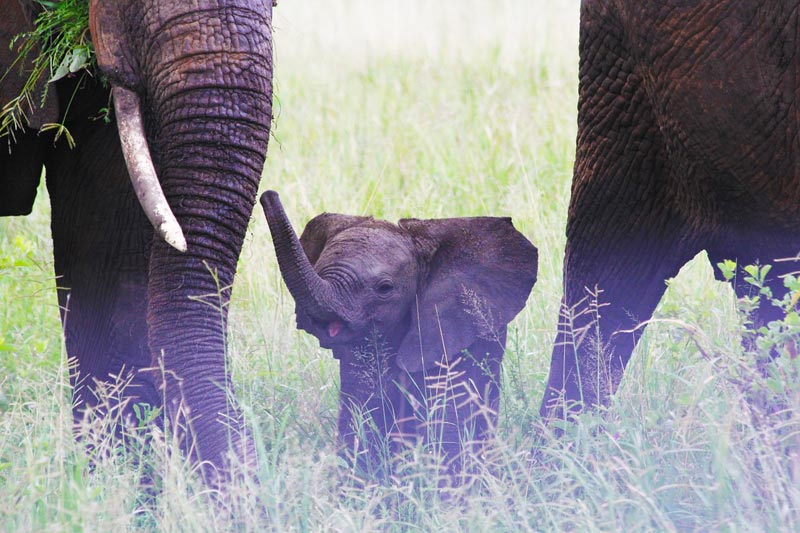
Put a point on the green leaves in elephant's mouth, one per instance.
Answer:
(59, 45)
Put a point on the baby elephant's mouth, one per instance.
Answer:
(328, 334)
(334, 328)
(332, 334)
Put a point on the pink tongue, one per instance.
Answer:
(334, 328)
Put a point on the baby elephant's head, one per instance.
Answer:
(428, 288)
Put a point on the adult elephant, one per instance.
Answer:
(688, 140)
(193, 82)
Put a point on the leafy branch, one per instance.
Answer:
(61, 37)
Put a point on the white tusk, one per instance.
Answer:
(141, 170)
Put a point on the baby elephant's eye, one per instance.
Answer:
(385, 288)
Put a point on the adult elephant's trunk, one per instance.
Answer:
(213, 141)
(203, 73)
(311, 293)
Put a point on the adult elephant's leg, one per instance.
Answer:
(624, 238)
(598, 328)
(210, 110)
(101, 241)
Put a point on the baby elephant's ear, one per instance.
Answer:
(480, 272)
(323, 227)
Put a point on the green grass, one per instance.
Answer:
(426, 109)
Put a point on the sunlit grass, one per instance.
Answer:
(425, 109)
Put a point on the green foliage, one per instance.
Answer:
(779, 335)
(62, 44)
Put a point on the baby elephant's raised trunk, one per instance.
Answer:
(311, 293)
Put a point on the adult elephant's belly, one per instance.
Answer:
(729, 116)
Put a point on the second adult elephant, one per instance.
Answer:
(191, 86)
(688, 140)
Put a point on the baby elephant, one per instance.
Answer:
(416, 314)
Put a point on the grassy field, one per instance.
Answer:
(425, 109)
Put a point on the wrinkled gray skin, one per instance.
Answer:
(400, 306)
(687, 141)
(203, 73)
